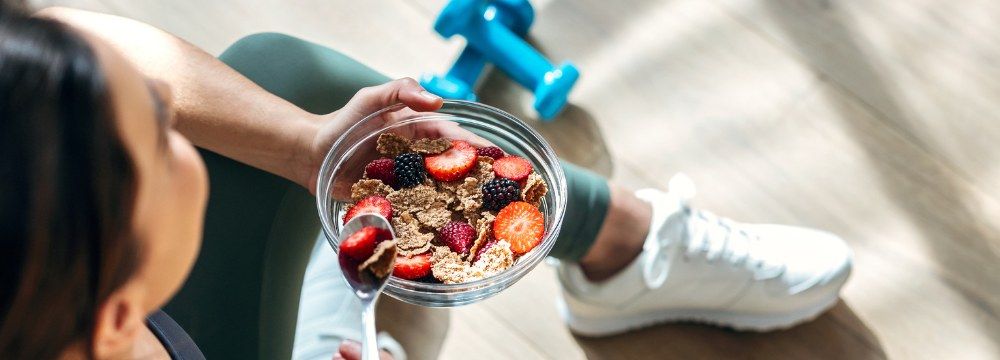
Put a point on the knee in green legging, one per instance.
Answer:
(260, 43)
(316, 78)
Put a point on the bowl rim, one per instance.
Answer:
(441, 288)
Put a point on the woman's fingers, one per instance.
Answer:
(405, 90)
(351, 350)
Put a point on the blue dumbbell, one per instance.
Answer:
(458, 83)
(510, 53)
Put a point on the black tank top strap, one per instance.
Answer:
(179, 345)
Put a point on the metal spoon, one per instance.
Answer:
(366, 286)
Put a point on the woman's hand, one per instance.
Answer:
(366, 102)
(351, 350)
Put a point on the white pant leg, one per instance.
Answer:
(328, 310)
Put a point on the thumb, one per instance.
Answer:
(405, 90)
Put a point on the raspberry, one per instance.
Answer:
(491, 151)
(497, 193)
(458, 236)
(410, 170)
(382, 169)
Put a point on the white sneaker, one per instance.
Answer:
(698, 267)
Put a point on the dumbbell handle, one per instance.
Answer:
(515, 57)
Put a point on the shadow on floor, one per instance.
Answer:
(837, 334)
(574, 134)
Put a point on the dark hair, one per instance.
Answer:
(67, 187)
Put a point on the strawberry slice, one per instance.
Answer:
(414, 267)
(452, 164)
(370, 205)
(382, 235)
(361, 244)
(512, 167)
(521, 225)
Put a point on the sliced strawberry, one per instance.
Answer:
(370, 205)
(412, 267)
(360, 244)
(520, 224)
(512, 167)
(452, 164)
(382, 235)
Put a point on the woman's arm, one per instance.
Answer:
(220, 110)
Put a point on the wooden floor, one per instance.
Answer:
(877, 120)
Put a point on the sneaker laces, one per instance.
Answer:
(718, 240)
(711, 238)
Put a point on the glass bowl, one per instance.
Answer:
(345, 163)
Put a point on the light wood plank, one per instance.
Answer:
(92, 5)
(928, 68)
(477, 334)
(390, 36)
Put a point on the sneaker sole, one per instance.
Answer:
(607, 326)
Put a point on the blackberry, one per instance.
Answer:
(499, 192)
(409, 169)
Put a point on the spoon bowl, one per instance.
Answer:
(367, 287)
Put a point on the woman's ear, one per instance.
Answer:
(119, 322)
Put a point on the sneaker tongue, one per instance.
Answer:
(682, 187)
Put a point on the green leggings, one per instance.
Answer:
(241, 299)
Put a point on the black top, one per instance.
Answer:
(177, 342)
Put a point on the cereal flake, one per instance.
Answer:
(484, 231)
(534, 189)
(430, 147)
(495, 260)
(392, 145)
(369, 187)
(380, 263)
(410, 241)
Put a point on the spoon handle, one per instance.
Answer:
(369, 349)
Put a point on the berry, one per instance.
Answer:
(382, 169)
(409, 170)
(491, 151)
(458, 236)
(512, 167)
(452, 164)
(361, 244)
(414, 267)
(382, 235)
(497, 193)
(370, 205)
(483, 249)
(521, 225)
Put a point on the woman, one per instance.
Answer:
(103, 202)
(103, 199)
